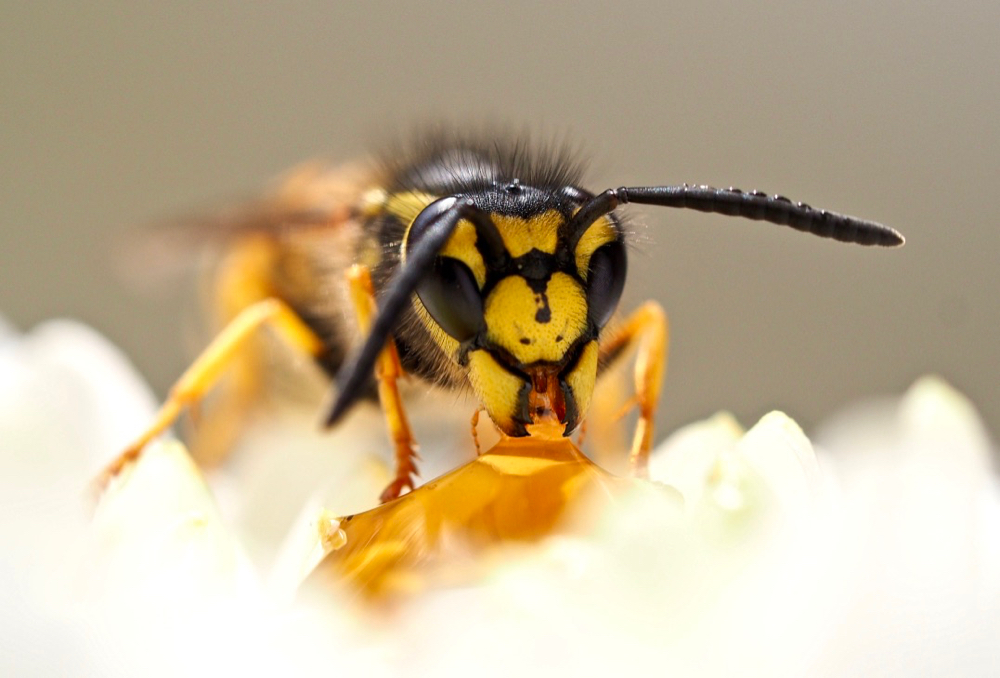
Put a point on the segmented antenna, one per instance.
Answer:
(776, 209)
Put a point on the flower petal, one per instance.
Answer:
(685, 459)
(157, 534)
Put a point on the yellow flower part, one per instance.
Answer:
(444, 532)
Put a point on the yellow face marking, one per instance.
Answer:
(601, 232)
(536, 326)
(462, 243)
(462, 246)
(583, 377)
(497, 389)
(520, 236)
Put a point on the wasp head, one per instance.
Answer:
(518, 295)
(516, 282)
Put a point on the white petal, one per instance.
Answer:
(685, 459)
(69, 401)
(778, 450)
(157, 534)
(920, 505)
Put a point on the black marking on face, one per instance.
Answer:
(537, 285)
(544, 313)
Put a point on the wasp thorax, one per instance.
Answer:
(536, 320)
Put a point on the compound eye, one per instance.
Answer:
(450, 295)
(605, 282)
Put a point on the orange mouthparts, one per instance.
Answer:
(545, 401)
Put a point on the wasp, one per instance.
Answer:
(470, 262)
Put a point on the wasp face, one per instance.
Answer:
(520, 302)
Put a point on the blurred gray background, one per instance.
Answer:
(121, 114)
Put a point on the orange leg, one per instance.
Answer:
(387, 371)
(243, 278)
(208, 367)
(475, 430)
(646, 330)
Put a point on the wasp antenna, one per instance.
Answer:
(592, 210)
(357, 368)
(773, 208)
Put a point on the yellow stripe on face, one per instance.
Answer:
(497, 389)
(520, 236)
(583, 377)
(536, 326)
(461, 245)
(601, 232)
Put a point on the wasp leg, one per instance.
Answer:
(205, 371)
(647, 331)
(475, 430)
(242, 279)
(387, 370)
